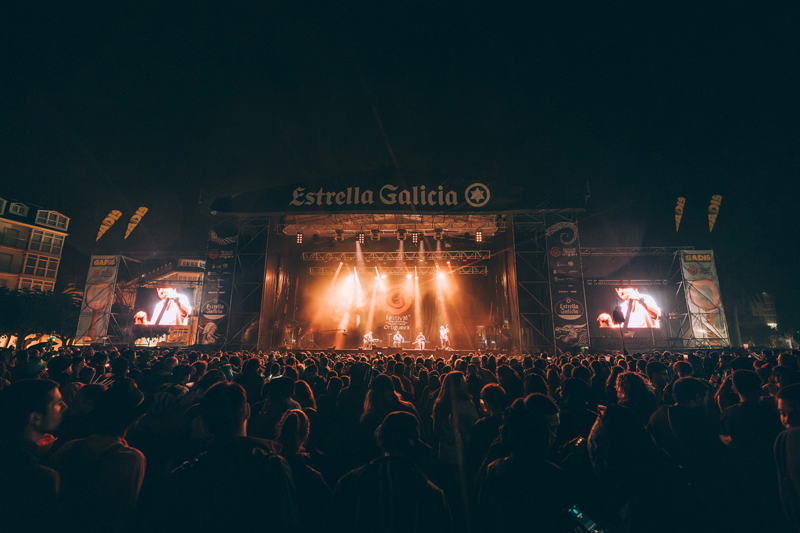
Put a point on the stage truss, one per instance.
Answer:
(535, 325)
(350, 224)
(402, 271)
(369, 257)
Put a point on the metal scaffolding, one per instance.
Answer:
(468, 255)
(533, 282)
(351, 224)
(247, 283)
(402, 271)
(639, 250)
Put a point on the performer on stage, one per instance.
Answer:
(172, 310)
(397, 340)
(419, 342)
(444, 336)
(368, 341)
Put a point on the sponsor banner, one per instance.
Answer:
(98, 296)
(703, 298)
(383, 191)
(215, 303)
(566, 285)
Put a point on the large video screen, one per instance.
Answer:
(615, 304)
(163, 306)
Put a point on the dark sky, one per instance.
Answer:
(106, 106)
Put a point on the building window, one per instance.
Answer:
(44, 241)
(52, 219)
(36, 285)
(5, 262)
(18, 209)
(44, 267)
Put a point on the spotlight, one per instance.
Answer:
(376, 235)
(299, 237)
(408, 276)
(415, 237)
(360, 237)
(479, 236)
(437, 234)
(401, 234)
(339, 235)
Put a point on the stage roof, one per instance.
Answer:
(387, 191)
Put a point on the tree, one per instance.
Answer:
(26, 312)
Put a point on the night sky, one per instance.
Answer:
(169, 105)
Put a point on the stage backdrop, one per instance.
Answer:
(339, 312)
(703, 299)
(97, 299)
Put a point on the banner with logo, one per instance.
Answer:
(384, 191)
(703, 298)
(107, 222)
(566, 286)
(215, 304)
(713, 211)
(397, 304)
(98, 296)
(679, 212)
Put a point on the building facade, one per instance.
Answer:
(31, 242)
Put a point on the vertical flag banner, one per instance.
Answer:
(703, 299)
(679, 212)
(97, 299)
(713, 211)
(107, 222)
(568, 298)
(215, 304)
(135, 219)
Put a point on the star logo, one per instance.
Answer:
(477, 195)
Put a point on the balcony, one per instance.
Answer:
(13, 242)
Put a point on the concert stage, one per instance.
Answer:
(319, 265)
(498, 267)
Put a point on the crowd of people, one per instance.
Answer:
(179, 440)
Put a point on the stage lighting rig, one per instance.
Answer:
(479, 236)
(414, 237)
(376, 235)
(339, 235)
(401, 234)
(299, 237)
(360, 237)
(437, 234)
